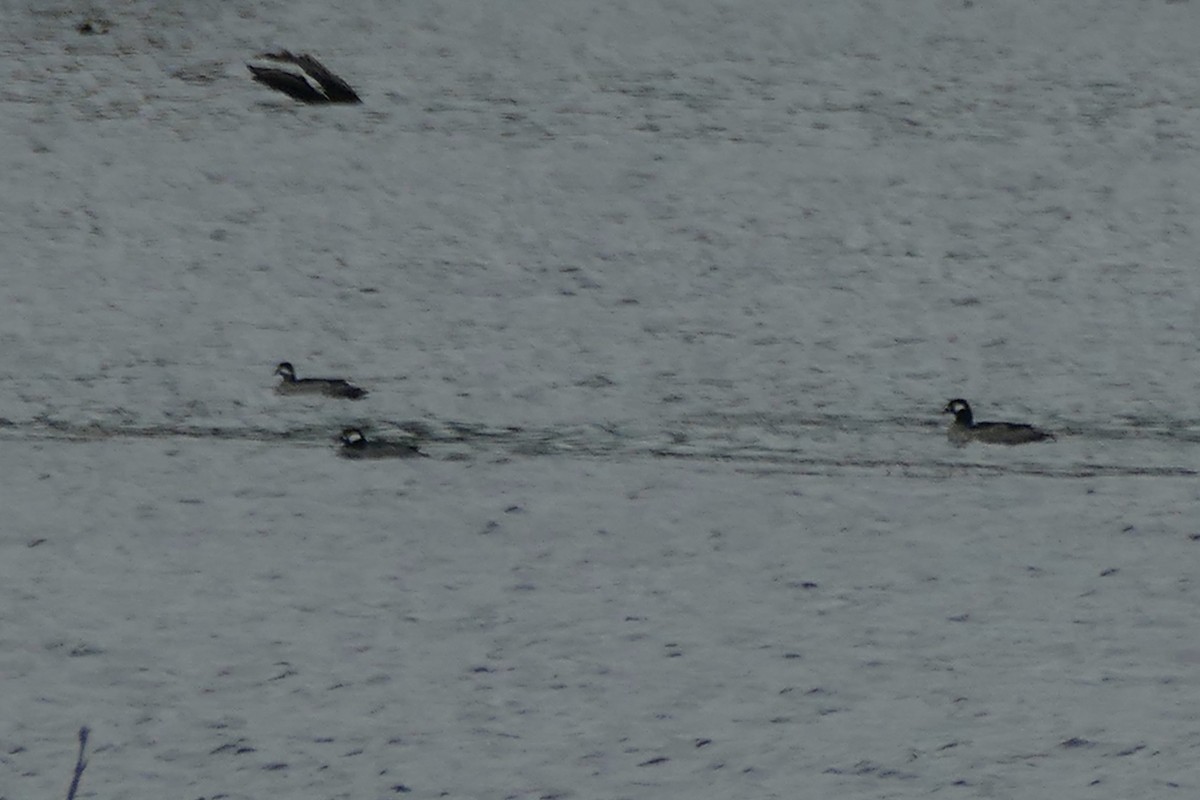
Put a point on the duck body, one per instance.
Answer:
(304, 78)
(329, 387)
(356, 446)
(965, 429)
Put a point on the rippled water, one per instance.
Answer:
(816, 227)
(672, 295)
(822, 446)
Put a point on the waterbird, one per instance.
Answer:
(965, 429)
(330, 387)
(356, 445)
(302, 77)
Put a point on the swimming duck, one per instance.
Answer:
(330, 387)
(965, 429)
(309, 82)
(355, 445)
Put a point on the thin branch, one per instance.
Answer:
(80, 763)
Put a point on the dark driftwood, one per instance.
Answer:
(316, 85)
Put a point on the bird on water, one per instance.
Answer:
(356, 445)
(965, 429)
(303, 78)
(329, 387)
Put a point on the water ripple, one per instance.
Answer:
(812, 444)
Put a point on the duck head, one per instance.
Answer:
(353, 437)
(961, 410)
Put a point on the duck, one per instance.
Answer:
(356, 445)
(330, 387)
(308, 82)
(965, 429)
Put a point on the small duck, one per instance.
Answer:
(330, 387)
(965, 429)
(355, 445)
(307, 79)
